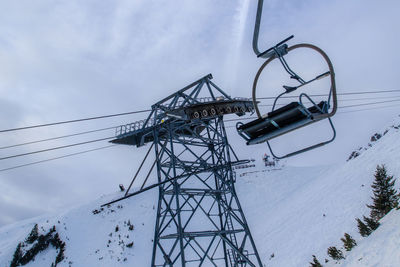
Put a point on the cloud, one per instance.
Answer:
(72, 59)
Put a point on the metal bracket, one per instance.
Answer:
(278, 50)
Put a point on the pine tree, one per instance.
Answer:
(363, 229)
(372, 224)
(17, 256)
(335, 253)
(33, 236)
(385, 196)
(315, 262)
(348, 242)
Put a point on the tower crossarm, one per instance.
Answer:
(199, 101)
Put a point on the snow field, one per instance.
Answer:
(293, 213)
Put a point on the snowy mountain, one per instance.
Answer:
(381, 248)
(293, 213)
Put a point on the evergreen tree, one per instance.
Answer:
(33, 236)
(315, 262)
(348, 242)
(372, 224)
(363, 229)
(60, 245)
(17, 256)
(335, 253)
(40, 243)
(385, 196)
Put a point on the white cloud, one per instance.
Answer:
(71, 59)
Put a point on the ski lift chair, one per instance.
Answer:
(294, 115)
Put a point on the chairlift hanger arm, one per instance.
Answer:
(281, 46)
(257, 27)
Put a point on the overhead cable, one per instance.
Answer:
(340, 107)
(108, 128)
(359, 99)
(366, 109)
(148, 110)
(240, 119)
(76, 120)
(350, 93)
(371, 103)
(58, 137)
(107, 138)
(50, 159)
(55, 148)
(348, 106)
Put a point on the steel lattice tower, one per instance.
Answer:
(199, 218)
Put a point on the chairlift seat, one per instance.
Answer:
(294, 115)
(281, 121)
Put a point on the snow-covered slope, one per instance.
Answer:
(381, 248)
(91, 239)
(293, 213)
(298, 212)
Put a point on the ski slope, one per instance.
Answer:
(381, 248)
(293, 213)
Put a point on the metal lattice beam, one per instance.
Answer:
(199, 218)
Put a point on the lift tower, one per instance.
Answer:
(199, 218)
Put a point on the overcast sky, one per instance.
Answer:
(62, 60)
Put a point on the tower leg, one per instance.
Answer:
(199, 218)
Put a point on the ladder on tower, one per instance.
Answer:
(231, 230)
